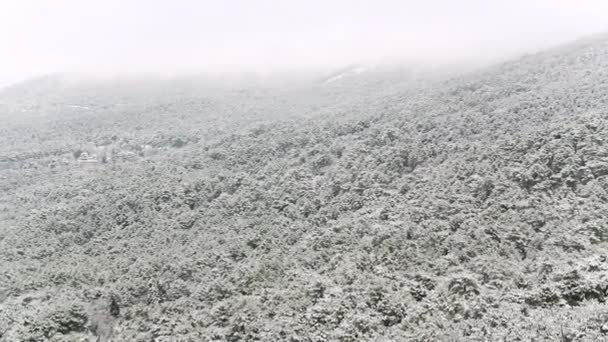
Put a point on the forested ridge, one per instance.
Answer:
(471, 208)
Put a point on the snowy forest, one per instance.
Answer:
(370, 205)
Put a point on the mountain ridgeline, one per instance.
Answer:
(376, 207)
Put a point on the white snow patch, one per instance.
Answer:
(79, 107)
(349, 72)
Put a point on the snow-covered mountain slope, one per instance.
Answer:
(470, 209)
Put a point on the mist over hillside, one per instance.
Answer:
(368, 204)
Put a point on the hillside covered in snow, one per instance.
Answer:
(468, 208)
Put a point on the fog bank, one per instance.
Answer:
(265, 36)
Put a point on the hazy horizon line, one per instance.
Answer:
(250, 73)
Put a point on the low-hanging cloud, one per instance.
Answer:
(181, 36)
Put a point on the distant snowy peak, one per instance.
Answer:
(345, 72)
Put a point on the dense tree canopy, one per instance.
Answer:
(471, 208)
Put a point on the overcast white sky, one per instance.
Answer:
(43, 36)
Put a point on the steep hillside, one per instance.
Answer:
(469, 209)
